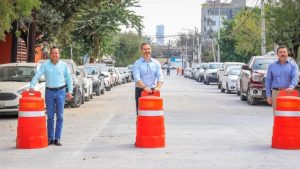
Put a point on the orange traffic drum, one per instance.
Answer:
(32, 129)
(150, 131)
(286, 127)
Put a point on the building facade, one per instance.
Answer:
(214, 13)
(160, 34)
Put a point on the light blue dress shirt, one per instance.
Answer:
(281, 76)
(148, 72)
(56, 75)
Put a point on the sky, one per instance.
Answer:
(175, 15)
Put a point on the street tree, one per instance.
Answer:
(127, 49)
(285, 16)
(11, 11)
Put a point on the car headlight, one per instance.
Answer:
(257, 78)
(19, 91)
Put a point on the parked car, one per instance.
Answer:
(97, 78)
(113, 74)
(199, 74)
(78, 92)
(87, 84)
(108, 79)
(14, 79)
(252, 78)
(224, 76)
(210, 72)
(224, 68)
(229, 79)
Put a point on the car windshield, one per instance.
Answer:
(103, 68)
(82, 72)
(233, 65)
(91, 70)
(263, 63)
(214, 66)
(17, 73)
(234, 71)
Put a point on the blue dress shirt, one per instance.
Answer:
(56, 75)
(281, 76)
(148, 72)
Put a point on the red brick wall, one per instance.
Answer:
(5, 49)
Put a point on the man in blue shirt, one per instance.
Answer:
(147, 73)
(281, 75)
(57, 76)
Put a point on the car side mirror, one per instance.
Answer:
(245, 67)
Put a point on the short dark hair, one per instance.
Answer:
(53, 47)
(282, 47)
(143, 44)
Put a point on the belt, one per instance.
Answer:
(277, 88)
(55, 88)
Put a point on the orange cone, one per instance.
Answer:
(32, 130)
(150, 131)
(286, 128)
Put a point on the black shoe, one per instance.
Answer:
(50, 142)
(57, 142)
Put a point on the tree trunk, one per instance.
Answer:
(295, 52)
(14, 48)
(32, 38)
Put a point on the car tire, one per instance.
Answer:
(222, 90)
(103, 91)
(89, 95)
(219, 85)
(227, 89)
(82, 97)
(76, 101)
(251, 100)
(92, 96)
(108, 88)
(98, 92)
(238, 93)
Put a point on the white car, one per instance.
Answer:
(229, 79)
(87, 84)
(14, 79)
(225, 68)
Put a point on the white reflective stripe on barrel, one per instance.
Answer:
(151, 112)
(31, 113)
(287, 113)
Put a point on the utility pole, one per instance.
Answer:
(186, 53)
(218, 60)
(263, 29)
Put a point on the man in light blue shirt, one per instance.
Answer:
(281, 75)
(147, 73)
(57, 77)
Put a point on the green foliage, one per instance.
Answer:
(11, 11)
(285, 16)
(97, 23)
(127, 49)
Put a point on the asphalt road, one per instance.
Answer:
(204, 129)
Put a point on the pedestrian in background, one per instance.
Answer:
(57, 76)
(281, 75)
(168, 71)
(177, 71)
(147, 74)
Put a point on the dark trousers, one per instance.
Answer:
(138, 92)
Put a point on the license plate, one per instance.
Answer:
(1, 104)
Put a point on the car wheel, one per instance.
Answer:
(251, 100)
(76, 101)
(108, 88)
(102, 91)
(222, 90)
(91, 96)
(219, 85)
(227, 89)
(82, 97)
(98, 92)
(88, 98)
(238, 93)
(207, 82)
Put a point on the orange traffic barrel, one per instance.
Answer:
(150, 131)
(32, 129)
(286, 127)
